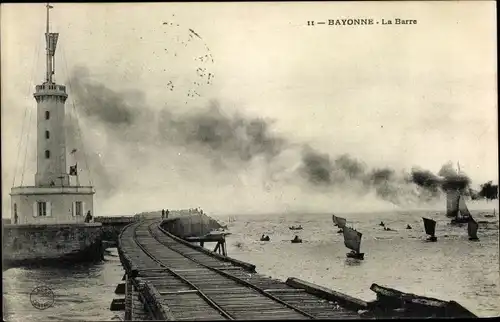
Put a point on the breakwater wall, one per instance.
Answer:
(38, 243)
(184, 222)
(193, 225)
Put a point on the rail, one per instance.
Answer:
(185, 280)
(234, 278)
(244, 288)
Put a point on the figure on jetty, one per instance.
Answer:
(88, 217)
(163, 214)
(296, 239)
(264, 238)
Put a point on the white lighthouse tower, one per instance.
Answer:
(52, 200)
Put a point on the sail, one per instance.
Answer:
(334, 218)
(464, 211)
(341, 222)
(472, 228)
(452, 200)
(430, 226)
(352, 239)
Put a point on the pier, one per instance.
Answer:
(168, 278)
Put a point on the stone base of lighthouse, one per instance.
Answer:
(48, 227)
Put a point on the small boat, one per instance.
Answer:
(381, 224)
(296, 240)
(265, 238)
(472, 227)
(299, 227)
(456, 208)
(408, 226)
(430, 229)
(352, 240)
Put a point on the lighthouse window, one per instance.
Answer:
(42, 208)
(47, 154)
(78, 209)
(47, 115)
(47, 134)
(15, 213)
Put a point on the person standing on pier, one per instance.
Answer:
(88, 218)
(163, 214)
(166, 214)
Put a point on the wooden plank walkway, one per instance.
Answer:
(175, 281)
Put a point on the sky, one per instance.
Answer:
(393, 96)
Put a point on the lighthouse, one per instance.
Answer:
(52, 199)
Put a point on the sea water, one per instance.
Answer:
(453, 268)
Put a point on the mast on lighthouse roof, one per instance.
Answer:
(51, 43)
(51, 138)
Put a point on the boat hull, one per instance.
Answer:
(432, 239)
(359, 256)
(296, 241)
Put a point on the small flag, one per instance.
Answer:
(73, 170)
(73, 151)
(49, 6)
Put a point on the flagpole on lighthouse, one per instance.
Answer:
(77, 176)
(73, 170)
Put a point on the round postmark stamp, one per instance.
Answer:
(42, 297)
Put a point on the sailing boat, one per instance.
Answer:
(472, 227)
(339, 222)
(430, 229)
(352, 240)
(456, 208)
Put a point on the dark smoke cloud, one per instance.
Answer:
(350, 167)
(230, 136)
(452, 180)
(222, 137)
(316, 167)
(229, 139)
(426, 179)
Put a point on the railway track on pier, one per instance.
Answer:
(194, 285)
